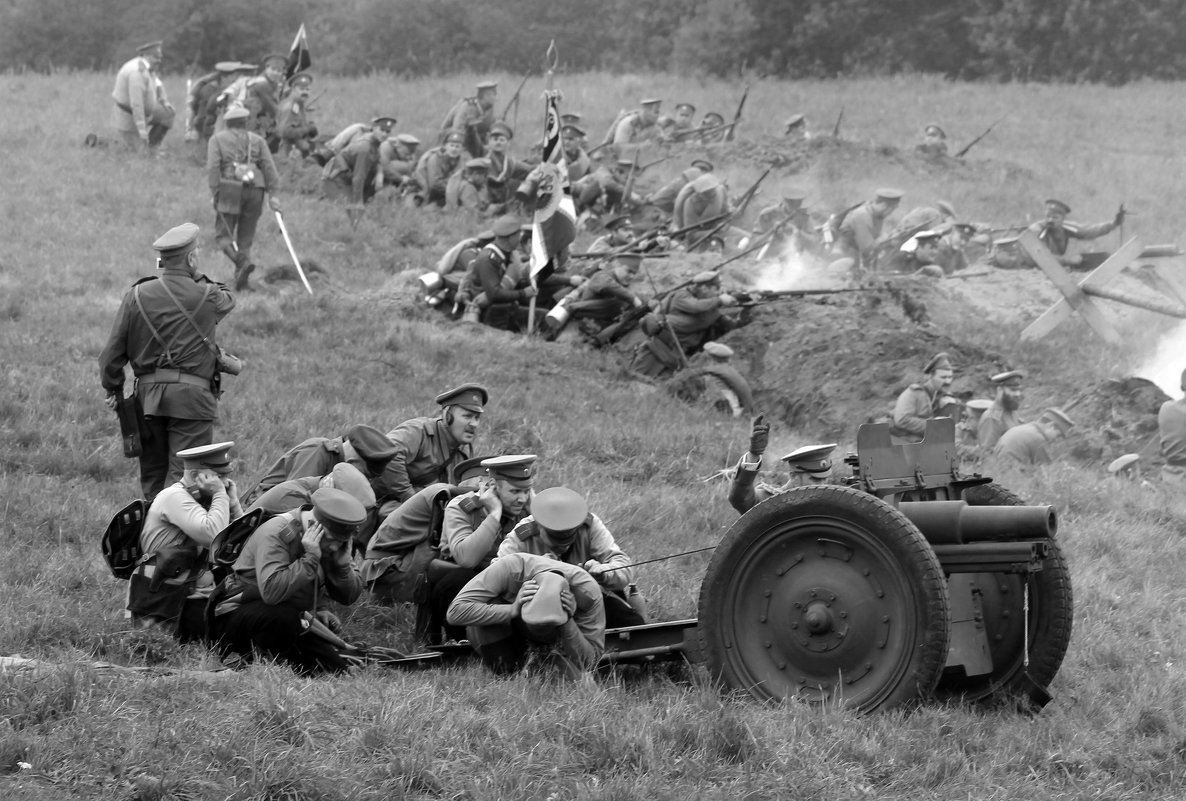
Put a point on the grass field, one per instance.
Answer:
(77, 228)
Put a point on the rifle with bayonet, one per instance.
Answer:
(737, 116)
(679, 136)
(628, 187)
(514, 101)
(748, 299)
(964, 150)
(657, 231)
(743, 203)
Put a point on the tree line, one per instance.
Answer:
(1109, 41)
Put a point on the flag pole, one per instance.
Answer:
(551, 58)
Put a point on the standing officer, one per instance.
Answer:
(921, 401)
(293, 125)
(165, 330)
(428, 448)
(137, 117)
(1002, 415)
(471, 118)
(239, 170)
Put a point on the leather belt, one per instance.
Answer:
(174, 377)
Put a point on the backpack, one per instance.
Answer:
(121, 540)
(229, 543)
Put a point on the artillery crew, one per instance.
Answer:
(1002, 415)
(924, 400)
(1028, 443)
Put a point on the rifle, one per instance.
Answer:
(628, 187)
(745, 200)
(309, 103)
(656, 231)
(649, 164)
(725, 126)
(964, 150)
(836, 127)
(514, 101)
(737, 115)
(602, 146)
(770, 296)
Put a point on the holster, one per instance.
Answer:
(130, 412)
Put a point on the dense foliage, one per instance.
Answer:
(1111, 41)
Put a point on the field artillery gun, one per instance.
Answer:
(909, 581)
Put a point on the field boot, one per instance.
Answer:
(243, 271)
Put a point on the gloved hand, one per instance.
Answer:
(759, 435)
(1121, 213)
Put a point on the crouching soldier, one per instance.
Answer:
(169, 588)
(273, 602)
(561, 527)
(809, 466)
(524, 602)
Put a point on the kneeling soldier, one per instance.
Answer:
(561, 527)
(170, 586)
(273, 601)
(524, 601)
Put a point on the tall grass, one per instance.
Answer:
(77, 225)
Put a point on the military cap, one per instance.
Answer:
(793, 197)
(226, 66)
(469, 469)
(473, 397)
(1059, 418)
(627, 163)
(572, 127)
(810, 458)
(348, 478)
(926, 236)
(559, 509)
(649, 101)
(979, 405)
(501, 127)
(274, 59)
(338, 511)
(544, 610)
(245, 67)
(177, 241)
(372, 446)
(484, 85)
(506, 226)
(706, 277)
(478, 164)
(701, 164)
(685, 107)
(301, 79)
(712, 115)
(1009, 378)
(1121, 463)
(934, 130)
(384, 123)
(406, 139)
(718, 350)
(940, 361)
(236, 112)
(453, 136)
(571, 117)
(793, 120)
(150, 48)
(216, 457)
(614, 223)
(516, 469)
(889, 194)
(1057, 205)
(946, 208)
(527, 229)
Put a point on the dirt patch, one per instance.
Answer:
(1117, 416)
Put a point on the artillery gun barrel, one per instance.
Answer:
(955, 522)
(992, 557)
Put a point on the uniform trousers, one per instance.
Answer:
(275, 631)
(237, 231)
(160, 439)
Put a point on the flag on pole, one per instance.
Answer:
(299, 59)
(554, 224)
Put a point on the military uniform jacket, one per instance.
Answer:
(406, 530)
(593, 541)
(860, 230)
(471, 536)
(486, 277)
(1025, 444)
(462, 194)
(395, 162)
(288, 495)
(466, 114)
(425, 453)
(993, 424)
(177, 519)
(131, 341)
(914, 406)
(578, 165)
(135, 97)
(487, 601)
(292, 119)
(1056, 238)
(604, 285)
(631, 130)
(232, 146)
(434, 169)
(261, 101)
(690, 315)
(358, 162)
(1171, 426)
(316, 456)
(275, 562)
